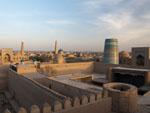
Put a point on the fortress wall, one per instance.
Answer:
(67, 68)
(68, 90)
(83, 105)
(44, 81)
(65, 89)
(27, 92)
(33, 97)
(26, 69)
(71, 68)
(3, 76)
(101, 106)
(102, 68)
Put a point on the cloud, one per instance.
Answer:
(90, 20)
(98, 3)
(117, 21)
(60, 22)
(127, 20)
(146, 16)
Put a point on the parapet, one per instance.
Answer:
(68, 104)
(24, 68)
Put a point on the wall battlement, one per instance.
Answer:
(33, 97)
(69, 106)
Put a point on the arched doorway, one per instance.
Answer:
(7, 58)
(140, 60)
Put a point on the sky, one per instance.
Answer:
(78, 25)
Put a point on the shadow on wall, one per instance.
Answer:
(3, 76)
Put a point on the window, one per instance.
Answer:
(140, 60)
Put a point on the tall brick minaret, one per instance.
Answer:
(56, 49)
(22, 48)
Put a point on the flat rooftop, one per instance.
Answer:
(131, 69)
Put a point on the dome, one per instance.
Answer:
(125, 54)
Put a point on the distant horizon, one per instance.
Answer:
(77, 25)
(28, 50)
(52, 49)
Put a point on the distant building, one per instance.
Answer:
(125, 58)
(7, 55)
(58, 55)
(111, 55)
(141, 56)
